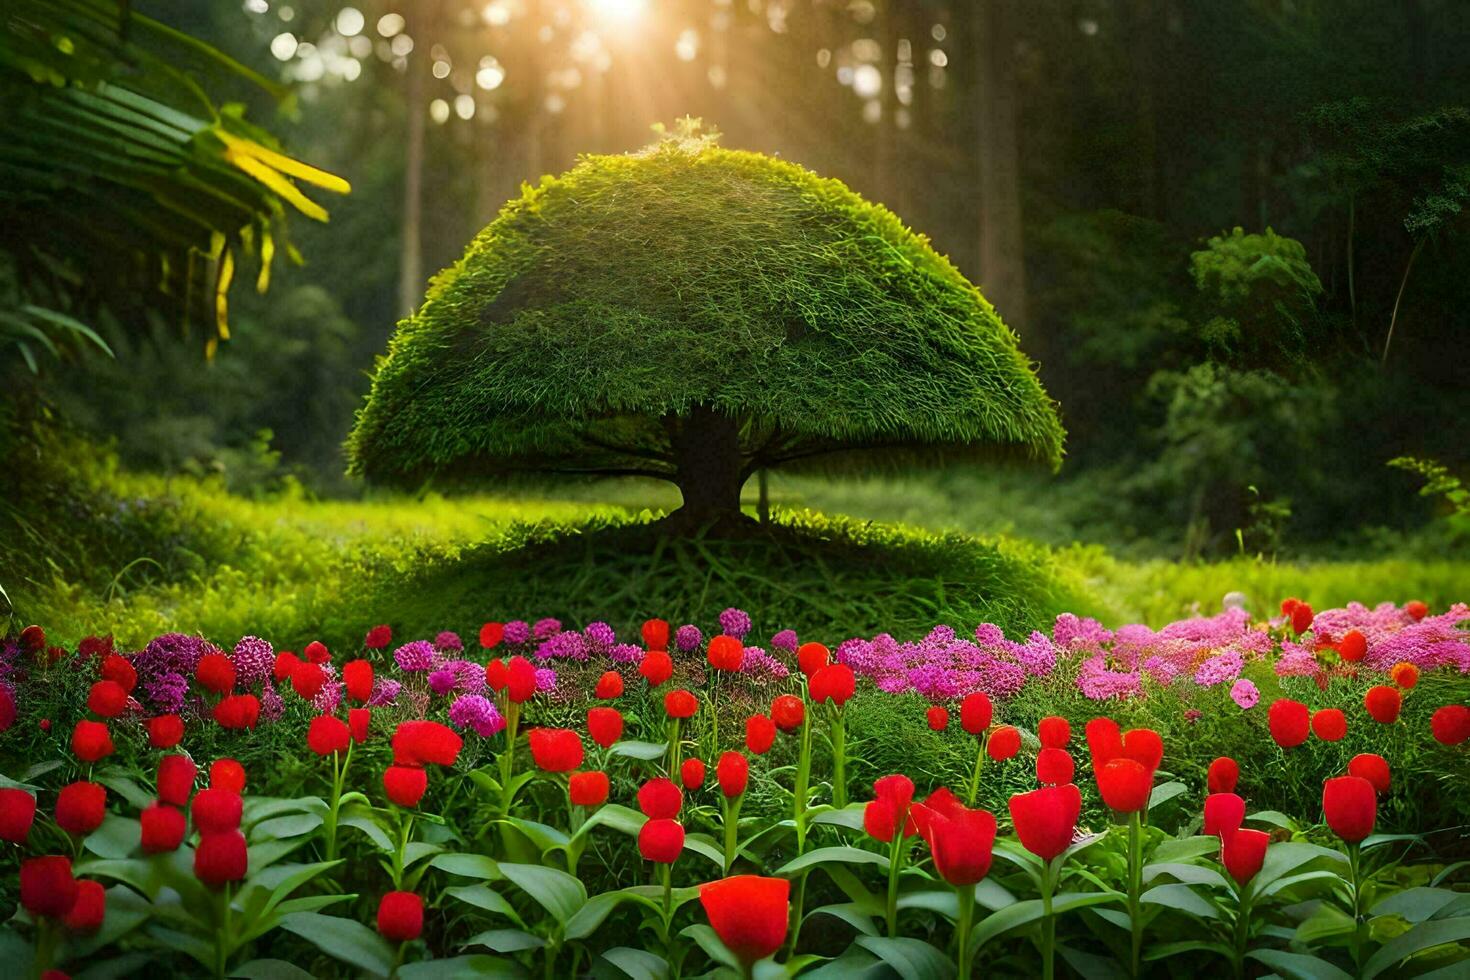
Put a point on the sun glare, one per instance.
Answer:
(618, 11)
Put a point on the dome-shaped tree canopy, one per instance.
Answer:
(696, 313)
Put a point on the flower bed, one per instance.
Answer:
(1099, 802)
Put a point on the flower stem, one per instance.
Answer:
(1135, 887)
(796, 912)
(507, 757)
(1356, 869)
(966, 894)
(1242, 929)
(803, 778)
(1048, 922)
(732, 828)
(839, 760)
(895, 865)
(979, 765)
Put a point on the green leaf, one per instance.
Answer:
(1291, 881)
(1298, 966)
(1417, 904)
(1275, 818)
(115, 779)
(556, 891)
(850, 817)
(704, 845)
(369, 826)
(485, 898)
(1090, 965)
(343, 939)
(833, 855)
(417, 850)
(1164, 792)
(1023, 913)
(639, 964)
(852, 914)
(1181, 898)
(617, 817)
(467, 866)
(116, 837)
(940, 900)
(911, 959)
(505, 940)
(1425, 935)
(458, 967)
(1283, 858)
(1181, 849)
(709, 941)
(1159, 951)
(270, 970)
(126, 911)
(1327, 921)
(281, 828)
(646, 751)
(1189, 874)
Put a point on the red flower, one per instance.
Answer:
(787, 712)
(1054, 767)
(556, 749)
(497, 675)
(1004, 743)
(609, 685)
(975, 712)
(307, 679)
(215, 673)
(1450, 725)
(119, 670)
(47, 887)
(1301, 617)
(656, 634)
(660, 840)
(1054, 732)
(890, 809)
(835, 683)
(420, 743)
(1351, 806)
(107, 699)
(1243, 852)
(1125, 785)
(660, 799)
(733, 773)
(327, 735)
(176, 774)
(17, 813)
(1416, 609)
(357, 677)
(520, 680)
(1104, 741)
(95, 646)
(316, 652)
(1224, 813)
(656, 667)
(1383, 703)
(588, 788)
(725, 653)
(491, 634)
(1223, 775)
(91, 741)
(691, 774)
(401, 916)
(358, 721)
(680, 704)
(32, 639)
(80, 808)
(938, 717)
(1046, 818)
(1143, 746)
(405, 785)
(1373, 768)
(749, 914)
(215, 811)
(1290, 721)
(163, 828)
(240, 710)
(220, 858)
(960, 839)
(1353, 646)
(89, 909)
(1329, 724)
(227, 774)
(812, 657)
(1405, 675)
(165, 731)
(605, 725)
(760, 734)
(285, 666)
(378, 637)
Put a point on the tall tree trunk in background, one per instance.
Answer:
(888, 166)
(1002, 260)
(410, 255)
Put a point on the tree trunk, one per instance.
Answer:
(410, 260)
(1002, 259)
(706, 448)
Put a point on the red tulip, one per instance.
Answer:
(1143, 746)
(660, 840)
(316, 652)
(1290, 721)
(421, 743)
(176, 775)
(556, 749)
(588, 788)
(165, 731)
(1243, 852)
(327, 735)
(80, 808)
(655, 634)
(787, 711)
(1383, 703)
(215, 673)
(400, 916)
(975, 712)
(220, 858)
(162, 828)
(1054, 767)
(835, 683)
(680, 704)
(32, 639)
(691, 774)
(491, 634)
(238, 711)
(1350, 805)
(1329, 724)
(307, 680)
(1373, 768)
(938, 717)
(656, 667)
(227, 774)
(1104, 741)
(89, 909)
(605, 725)
(47, 886)
(91, 741)
(961, 841)
(358, 721)
(1353, 646)
(285, 666)
(107, 699)
(749, 914)
(378, 637)
(1301, 617)
(17, 813)
(520, 680)
(1004, 743)
(1054, 732)
(1405, 675)
(216, 811)
(1223, 775)
(725, 653)
(1450, 725)
(1046, 818)
(497, 676)
(357, 677)
(760, 734)
(405, 785)
(1125, 785)
(660, 799)
(812, 657)
(610, 685)
(120, 670)
(1416, 609)
(733, 773)
(1224, 812)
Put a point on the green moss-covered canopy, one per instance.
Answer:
(656, 312)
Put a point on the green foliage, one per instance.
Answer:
(1263, 290)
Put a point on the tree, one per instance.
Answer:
(696, 314)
